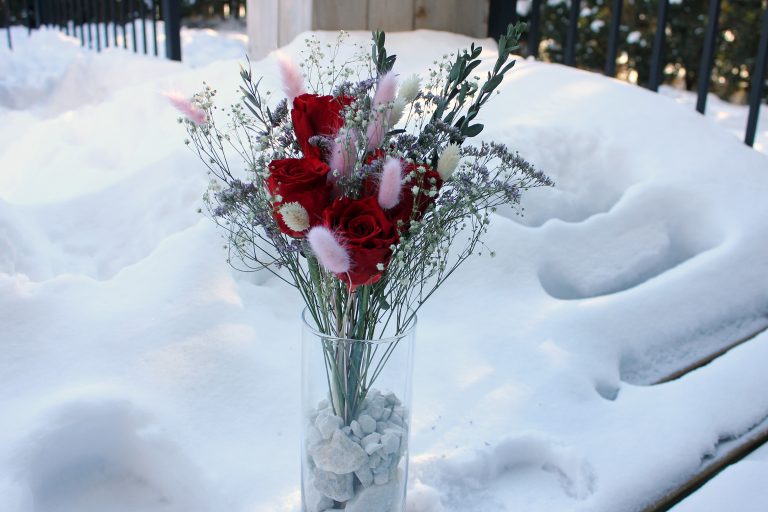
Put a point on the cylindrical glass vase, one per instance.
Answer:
(356, 416)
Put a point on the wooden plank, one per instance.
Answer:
(435, 14)
(390, 16)
(472, 17)
(737, 450)
(263, 27)
(463, 16)
(339, 15)
(295, 17)
(711, 357)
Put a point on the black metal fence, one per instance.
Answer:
(100, 24)
(505, 11)
(134, 24)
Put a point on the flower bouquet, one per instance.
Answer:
(365, 197)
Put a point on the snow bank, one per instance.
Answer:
(141, 373)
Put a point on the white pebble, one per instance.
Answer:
(367, 423)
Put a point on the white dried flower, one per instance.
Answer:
(295, 216)
(410, 88)
(398, 107)
(448, 161)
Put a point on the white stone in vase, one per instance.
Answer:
(340, 455)
(328, 424)
(365, 476)
(390, 443)
(314, 500)
(373, 438)
(376, 498)
(367, 423)
(313, 435)
(336, 487)
(375, 410)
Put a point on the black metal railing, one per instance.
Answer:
(101, 24)
(503, 12)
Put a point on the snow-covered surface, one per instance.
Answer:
(140, 373)
(729, 116)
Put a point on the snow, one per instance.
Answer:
(140, 372)
(729, 116)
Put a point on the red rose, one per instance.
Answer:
(303, 181)
(316, 115)
(366, 233)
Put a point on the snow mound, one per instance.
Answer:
(532, 380)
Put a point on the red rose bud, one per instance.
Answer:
(416, 198)
(367, 234)
(316, 115)
(294, 183)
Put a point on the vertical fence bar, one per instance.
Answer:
(500, 14)
(7, 16)
(107, 17)
(132, 5)
(757, 87)
(122, 23)
(172, 18)
(97, 9)
(613, 37)
(708, 55)
(154, 25)
(570, 41)
(89, 21)
(81, 20)
(67, 16)
(34, 22)
(534, 31)
(143, 14)
(658, 46)
(114, 22)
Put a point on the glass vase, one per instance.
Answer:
(356, 416)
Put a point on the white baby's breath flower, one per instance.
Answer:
(448, 161)
(295, 216)
(380, 267)
(410, 88)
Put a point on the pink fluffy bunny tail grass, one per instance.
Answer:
(386, 90)
(381, 109)
(187, 107)
(391, 183)
(293, 82)
(331, 255)
(343, 154)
